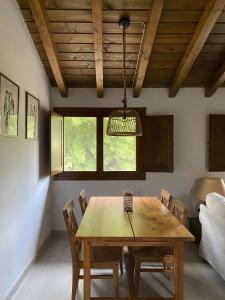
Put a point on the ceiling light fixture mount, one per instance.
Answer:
(124, 121)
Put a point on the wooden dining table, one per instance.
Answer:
(149, 224)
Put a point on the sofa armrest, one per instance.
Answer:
(212, 245)
(213, 227)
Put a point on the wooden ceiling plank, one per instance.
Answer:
(149, 37)
(91, 64)
(79, 27)
(202, 31)
(39, 14)
(118, 4)
(90, 56)
(98, 48)
(130, 39)
(111, 16)
(216, 81)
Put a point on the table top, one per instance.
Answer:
(105, 218)
(150, 221)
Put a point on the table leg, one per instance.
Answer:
(129, 271)
(179, 270)
(87, 274)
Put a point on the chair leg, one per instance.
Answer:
(137, 269)
(121, 264)
(171, 276)
(116, 278)
(75, 280)
(131, 258)
(168, 265)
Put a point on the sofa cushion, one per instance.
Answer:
(216, 202)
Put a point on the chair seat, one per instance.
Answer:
(103, 254)
(152, 251)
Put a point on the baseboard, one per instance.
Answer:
(19, 279)
(27, 268)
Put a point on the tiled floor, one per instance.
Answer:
(50, 278)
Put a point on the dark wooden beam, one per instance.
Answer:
(202, 31)
(40, 16)
(216, 81)
(149, 37)
(97, 33)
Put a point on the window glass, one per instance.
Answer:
(119, 152)
(80, 139)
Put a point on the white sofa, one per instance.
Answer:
(212, 245)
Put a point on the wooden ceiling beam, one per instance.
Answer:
(202, 31)
(97, 33)
(40, 16)
(216, 81)
(149, 37)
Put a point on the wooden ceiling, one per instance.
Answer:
(80, 43)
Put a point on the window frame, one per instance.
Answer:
(100, 174)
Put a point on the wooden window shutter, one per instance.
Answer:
(158, 143)
(56, 143)
(216, 142)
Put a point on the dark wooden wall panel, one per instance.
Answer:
(216, 142)
(56, 143)
(158, 143)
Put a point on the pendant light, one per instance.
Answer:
(124, 121)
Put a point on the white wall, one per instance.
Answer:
(190, 110)
(25, 196)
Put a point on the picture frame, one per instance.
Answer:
(9, 107)
(32, 117)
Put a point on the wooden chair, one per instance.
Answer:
(83, 201)
(166, 198)
(101, 257)
(180, 210)
(163, 255)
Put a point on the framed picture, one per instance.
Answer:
(32, 115)
(9, 107)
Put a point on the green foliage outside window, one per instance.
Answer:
(80, 147)
(119, 152)
(80, 143)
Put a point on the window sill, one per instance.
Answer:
(100, 176)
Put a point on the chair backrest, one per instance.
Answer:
(166, 198)
(180, 210)
(83, 201)
(71, 227)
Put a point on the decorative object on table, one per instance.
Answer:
(209, 185)
(127, 200)
(9, 107)
(124, 121)
(32, 115)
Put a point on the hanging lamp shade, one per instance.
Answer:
(124, 123)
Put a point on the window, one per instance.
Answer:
(81, 150)
(90, 154)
